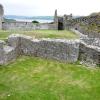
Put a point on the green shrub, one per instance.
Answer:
(35, 21)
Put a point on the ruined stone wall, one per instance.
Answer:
(90, 51)
(84, 25)
(89, 54)
(1, 15)
(0, 23)
(1, 52)
(58, 49)
(91, 34)
(27, 26)
(87, 51)
(7, 53)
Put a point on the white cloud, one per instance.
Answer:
(47, 7)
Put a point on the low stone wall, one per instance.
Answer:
(7, 53)
(89, 54)
(62, 50)
(86, 39)
(90, 34)
(89, 50)
(81, 26)
(26, 26)
(57, 49)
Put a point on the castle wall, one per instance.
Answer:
(27, 26)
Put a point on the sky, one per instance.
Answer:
(47, 7)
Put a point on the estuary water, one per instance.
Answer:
(41, 19)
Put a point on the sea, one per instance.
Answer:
(41, 19)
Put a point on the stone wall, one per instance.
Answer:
(1, 15)
(58, 49)
(91, 34)
(0, 23)
(89, 50)
(7, 53)
(89, 54)
(89, 25)
(27, 26)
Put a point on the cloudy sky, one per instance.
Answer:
(47, 7)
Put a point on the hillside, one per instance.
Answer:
(89, 24)
(93, 23)
(94, 14)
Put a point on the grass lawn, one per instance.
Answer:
(41, 34)
(31, 78)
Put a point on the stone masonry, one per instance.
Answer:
(7, 53)
(27, 26)
(58, 49)
(89, 50)
(1, 15)
(89, 54)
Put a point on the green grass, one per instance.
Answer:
(31, 78)
(41, 34)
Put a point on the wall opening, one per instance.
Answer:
(60, 26)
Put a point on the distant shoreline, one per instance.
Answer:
(41, 19)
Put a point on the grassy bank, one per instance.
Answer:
(31, 78)
(41, 34)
